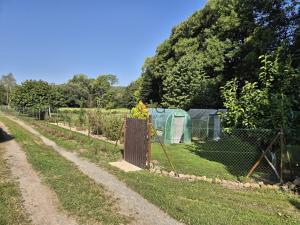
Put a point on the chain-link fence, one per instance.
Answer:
(239, 149)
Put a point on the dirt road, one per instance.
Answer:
(40, 202)
(131, 203)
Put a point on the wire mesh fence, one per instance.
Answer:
(239, 149)
(236, 149)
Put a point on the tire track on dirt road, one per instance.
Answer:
(40, 202)
(131, 203)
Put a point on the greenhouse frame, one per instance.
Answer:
(172, 126)
(206, 123)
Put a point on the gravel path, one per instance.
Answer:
(40, 202)
(130, 202)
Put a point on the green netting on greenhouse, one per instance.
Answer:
(171, 125)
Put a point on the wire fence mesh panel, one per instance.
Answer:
(292, 143)
(237, 149)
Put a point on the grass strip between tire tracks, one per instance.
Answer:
(82, 198)
(12, 211)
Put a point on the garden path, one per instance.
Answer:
(131, 203)
(40, 202)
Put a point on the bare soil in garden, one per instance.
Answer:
(40, 202)
(131, 203)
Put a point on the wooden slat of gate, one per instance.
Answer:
(136, 142)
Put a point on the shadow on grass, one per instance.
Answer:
(5, 136)
(238, 152)
(295, 203)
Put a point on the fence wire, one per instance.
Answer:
(239, 149)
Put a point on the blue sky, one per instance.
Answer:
(55, 39)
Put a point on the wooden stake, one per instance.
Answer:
(164, 150)
(262, 155)
(281, 155)
(149, 126)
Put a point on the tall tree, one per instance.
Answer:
(79, 89)
(267, 103)
(131, 95)
(9, 82)
(102, 90)
(32, 94)
(222, 41)
(3, 99)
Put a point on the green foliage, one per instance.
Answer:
(32, 94)
(222, 41)
(89, 92)
(112, 126)
(132, 93)
(7, 84)
(140, 111)
(267, 103)
(3, 99)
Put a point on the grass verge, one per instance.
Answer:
(192, 202)
(88, 202)
(187, 162)
(11, 208)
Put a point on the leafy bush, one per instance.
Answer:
(112, 126)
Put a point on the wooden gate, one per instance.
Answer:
(137, 142)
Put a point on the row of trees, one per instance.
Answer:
(221, 42)
(80, 91)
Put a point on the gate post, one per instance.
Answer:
(149, 127)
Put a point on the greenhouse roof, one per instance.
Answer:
(166, 112)
(201, 113)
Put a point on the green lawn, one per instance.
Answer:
(11, 209)
(78, 195)
(193, 202)
(187, 162)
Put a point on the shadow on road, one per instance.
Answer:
(5, 136)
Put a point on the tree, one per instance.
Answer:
(57, 96)
(79, 89)
(9, 82)
(131, 95)
(267, 103)
(3, 99)
(102, 90)
(222, 41)
(32, 94)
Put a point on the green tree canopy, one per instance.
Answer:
(32, 94)
(8, 82)
(222, 41)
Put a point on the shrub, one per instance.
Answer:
(112, 127)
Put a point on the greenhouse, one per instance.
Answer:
(206, 123)
(171, 125)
